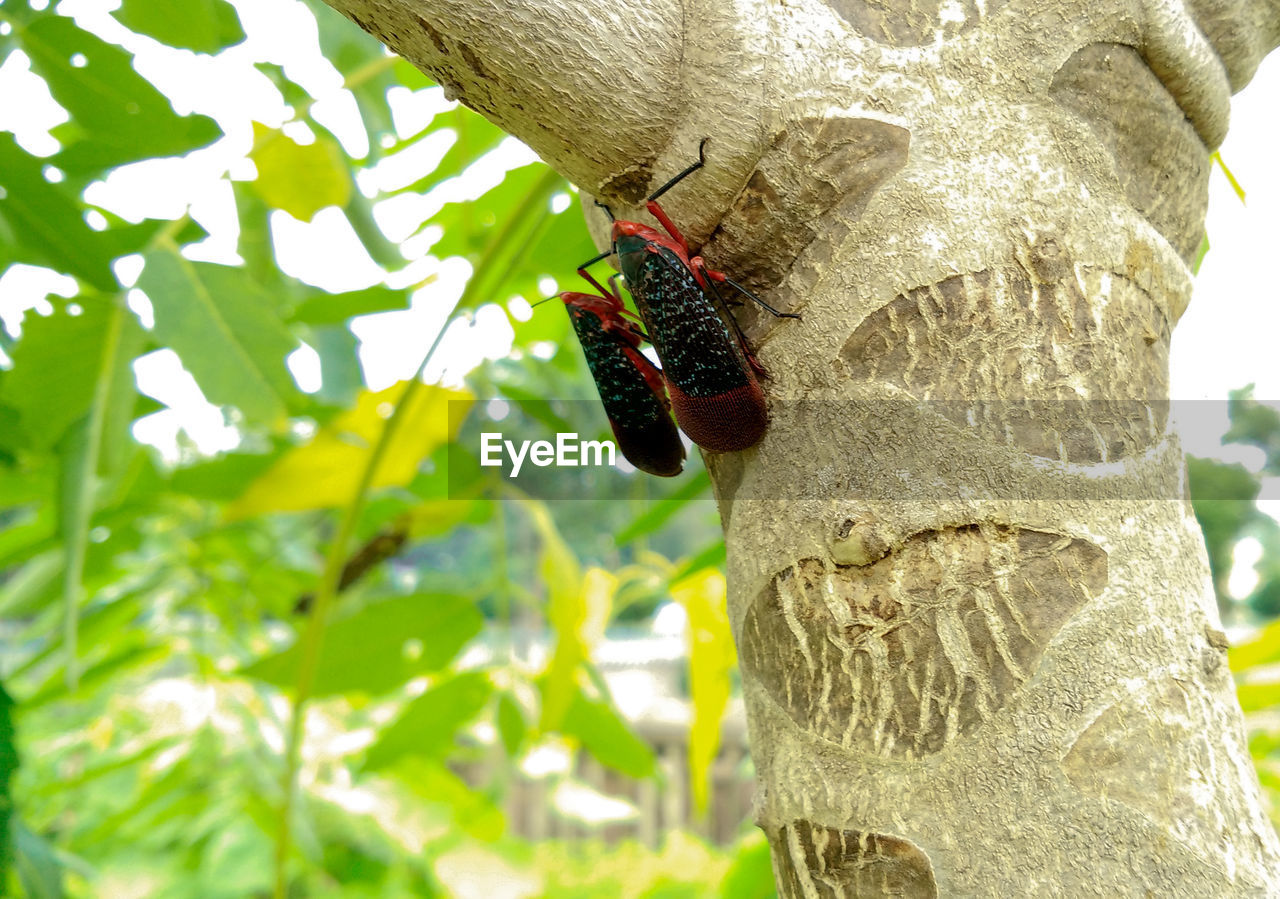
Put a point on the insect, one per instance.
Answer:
(631, 387)
(711, 374)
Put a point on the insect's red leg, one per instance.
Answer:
(594, 283)
(613, 286)
(660, 214)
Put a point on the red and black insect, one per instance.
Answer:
(711, 374)
(631, 387)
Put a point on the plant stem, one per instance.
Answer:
(80, 488)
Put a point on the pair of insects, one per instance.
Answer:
(710, 373)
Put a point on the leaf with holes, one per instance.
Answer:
(42, 223)
(117, 116)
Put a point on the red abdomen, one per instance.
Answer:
(723, 422)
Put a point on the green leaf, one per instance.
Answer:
(1255, 423)
(511, 724)
(82, 453)
(660, 511)
(8, 765)
(607, 737)
(301, 179)
(346, 47)
(340, 374)
(1261, 650)
(326, 471)
(1256, 697)
(38, 868)
(569, 607)
(712, 660)
(368, 72)
(79, 459)
(57, 364)
(1222, 496)
(24, 537)
(1201, 252)
(117, 115)
(222, 326)
(751, 874)
(485, 216)
(223, 478)
(122, 238)
(237, 858)
(476, 136)
(119, 394)
(30, 585)
(427, 725)
(472, 811)
(45, 222)
(205, 26)
(336, 308)
(371, 651)
(1231, 179)
(711, 556)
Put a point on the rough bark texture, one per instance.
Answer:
(980, 652)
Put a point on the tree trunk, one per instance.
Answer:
(980, 651)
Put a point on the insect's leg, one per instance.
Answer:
(587, 276)
(660, 214)
(723, 278)
(648, 363)
(596, 258)
(613, 286)
(737, 330)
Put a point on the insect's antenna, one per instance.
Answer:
(607, 210)
(547, 300)
(702, 160)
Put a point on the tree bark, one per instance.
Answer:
(979, 646)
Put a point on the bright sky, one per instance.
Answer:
(1227, 339)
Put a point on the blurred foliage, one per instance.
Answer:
(1224, 497)
(166, 617)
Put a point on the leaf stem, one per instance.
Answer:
(313, 637)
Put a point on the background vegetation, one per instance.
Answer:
(166, 611)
